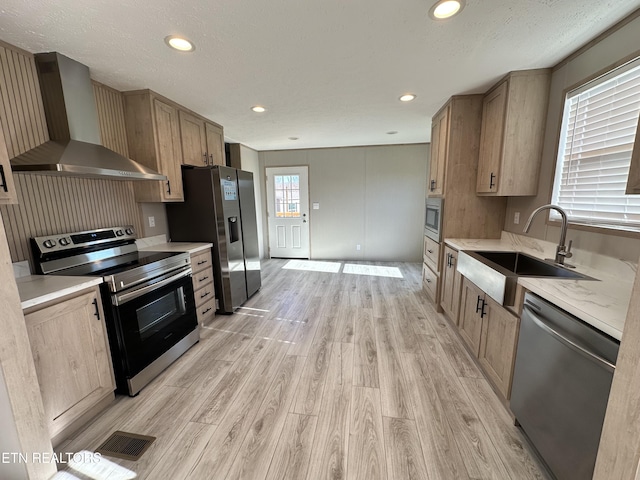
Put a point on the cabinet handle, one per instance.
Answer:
(478, 308)
(205, 294)
(491, 182)
(206, 158)
(483, 313)
(3, 185)
(202, 262)
(204, 278)
(207, 310)
(169, 187)
(211, 157)
(97, 312)
(433, 185)
(428, 280)
(430, 251)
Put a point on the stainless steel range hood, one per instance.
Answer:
(72, 121)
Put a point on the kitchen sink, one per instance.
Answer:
(497, 273)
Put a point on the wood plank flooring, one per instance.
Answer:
(322, 376)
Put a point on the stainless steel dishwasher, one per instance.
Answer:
(561, 384)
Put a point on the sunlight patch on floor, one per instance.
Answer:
(373, 270)
(95, 468)
(313, 266)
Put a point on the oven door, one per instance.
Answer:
(433, 221)
(153, 318)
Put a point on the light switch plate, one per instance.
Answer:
(316, 205)
(152, 222)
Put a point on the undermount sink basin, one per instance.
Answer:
(497, 273)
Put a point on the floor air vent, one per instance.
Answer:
(125, 445)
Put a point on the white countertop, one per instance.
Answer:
(602, 304)
(189, 247)
(37, 289)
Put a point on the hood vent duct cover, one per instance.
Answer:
(72, 121)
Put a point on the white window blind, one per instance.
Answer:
(598, 132)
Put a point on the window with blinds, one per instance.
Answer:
(598, 132)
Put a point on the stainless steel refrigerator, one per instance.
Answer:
(219, 207)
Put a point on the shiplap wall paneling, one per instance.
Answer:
(50, 205)
(110, 104)
(21, 113)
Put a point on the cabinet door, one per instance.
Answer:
(71, 354)
(470, 324)
(169, 149)
(194, 140)
(451, 280)
(498, 345)
(437, 164)
(430, 283)
(7, 187)
(491, 139)
(215, 144)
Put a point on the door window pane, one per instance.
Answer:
(287, 196)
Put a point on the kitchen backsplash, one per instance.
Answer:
(55, 204)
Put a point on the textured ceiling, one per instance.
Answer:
(329, 71)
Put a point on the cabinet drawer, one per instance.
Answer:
(430, 282)
(431, 254)
(201, 260)
(202, 278)
(204, 294)
(205, 310)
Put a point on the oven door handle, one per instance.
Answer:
(126, 297)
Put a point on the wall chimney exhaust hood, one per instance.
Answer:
(72, 121)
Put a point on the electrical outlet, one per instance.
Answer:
(358, 247)
(516, 218)
(152, 222)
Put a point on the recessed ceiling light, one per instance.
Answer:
(446, 9)
(258, 109)
(407, 97)
(179, 43)
(392, 132)
(293, 138)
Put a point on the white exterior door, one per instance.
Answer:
(288, 211)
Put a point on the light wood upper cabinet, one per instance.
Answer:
(498, 344)
(513, 121)
(194, 140)
(153, 134)
(633, 181)
(215, 144)
(8, 193)
(71, 354)
(451, 283)
(202, 141)
(437, 163)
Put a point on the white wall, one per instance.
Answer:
(250, 162)
(617, 46)
(372, 196)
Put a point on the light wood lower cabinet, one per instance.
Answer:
(470, 324)
(498, 344)
(491, 332)
(203, 286)
(430, 282)
(451, 283)
(71, 354)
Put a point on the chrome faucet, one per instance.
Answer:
(562, 251)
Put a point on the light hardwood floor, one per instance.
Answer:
(322, 376)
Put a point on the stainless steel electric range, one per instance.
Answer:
(147, 296)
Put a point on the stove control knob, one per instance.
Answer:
(49, 243)
(129, 231)
(63, 241)
(119, 233)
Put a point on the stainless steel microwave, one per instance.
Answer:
(433, 219)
